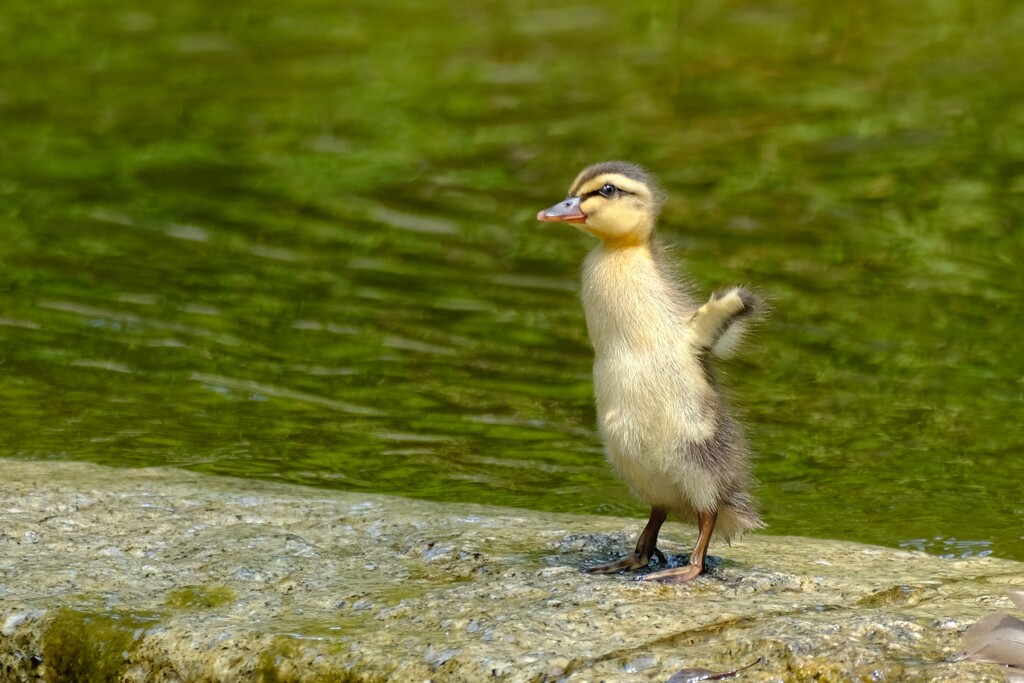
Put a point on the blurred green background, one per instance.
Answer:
(297, 241)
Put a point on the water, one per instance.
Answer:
(299, 244)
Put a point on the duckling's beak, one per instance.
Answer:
(564, 212)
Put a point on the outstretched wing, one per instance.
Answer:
(721, 322)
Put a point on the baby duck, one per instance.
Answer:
(666, 429)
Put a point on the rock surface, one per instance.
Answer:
(165, 575)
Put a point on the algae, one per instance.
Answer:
(83, 647)
(200, 597)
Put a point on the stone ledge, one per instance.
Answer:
(168, 575)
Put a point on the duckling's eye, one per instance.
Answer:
(607, 190)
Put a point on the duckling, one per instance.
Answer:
(667, 430)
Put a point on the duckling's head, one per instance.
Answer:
(615, 201)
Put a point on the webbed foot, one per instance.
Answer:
(674, 575)
(628, 563)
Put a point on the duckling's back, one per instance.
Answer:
(666, 428)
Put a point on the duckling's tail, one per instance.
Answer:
(721, 322)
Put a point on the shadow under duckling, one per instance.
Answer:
(666, 428)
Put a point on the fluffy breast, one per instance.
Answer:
(654, 399)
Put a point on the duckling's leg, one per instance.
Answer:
(646, 546)
(705, 525)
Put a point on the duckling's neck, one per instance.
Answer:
(632, 301)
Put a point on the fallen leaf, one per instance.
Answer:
(999, 638)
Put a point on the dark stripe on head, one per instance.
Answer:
(625, 168)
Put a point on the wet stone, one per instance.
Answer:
(164, 575)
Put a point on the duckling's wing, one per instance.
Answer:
(721, 322)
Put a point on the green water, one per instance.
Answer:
(297, 241)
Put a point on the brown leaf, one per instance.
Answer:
(979, 632)
(996, 638)
(1018, 599)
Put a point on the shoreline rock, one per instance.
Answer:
(169, 575)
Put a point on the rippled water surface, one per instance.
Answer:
(297, 242)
